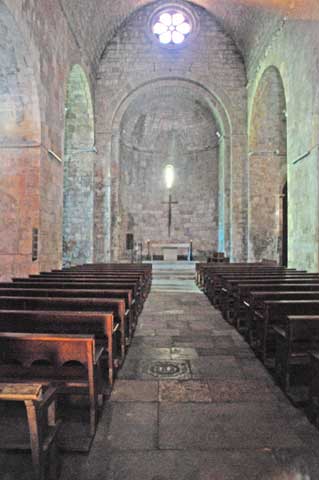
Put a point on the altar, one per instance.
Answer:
(170, 251)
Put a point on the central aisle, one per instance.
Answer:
(193, 403)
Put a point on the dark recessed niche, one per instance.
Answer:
(35, 244)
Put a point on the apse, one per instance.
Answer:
(164, 128)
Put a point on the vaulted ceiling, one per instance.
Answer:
(248, 22)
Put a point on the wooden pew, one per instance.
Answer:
(111, 277)
(226, 294)
(217, 280)
(242, 301)
(78, 293)
(202, 268)
(314, 388)
(273, 313)
(298, 336)
(113, 280)
(210, 273)
(101, 325)
(43, 427)
(78, 283)
(49, 359)
(146, 272)
(110, 305)
(256, 299)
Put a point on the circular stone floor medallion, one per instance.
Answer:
(168, 369)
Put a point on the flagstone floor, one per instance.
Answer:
(193, 403)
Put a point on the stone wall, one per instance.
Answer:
(40, 43)
(168, 128)
(37, 51)
(78, 189)
(293, 50)
(267, 169)
(211, 69)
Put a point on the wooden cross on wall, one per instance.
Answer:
(170, 203)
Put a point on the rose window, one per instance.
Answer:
(172, 27)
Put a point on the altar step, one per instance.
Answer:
(174, 277)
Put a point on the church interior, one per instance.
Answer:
(159, 254)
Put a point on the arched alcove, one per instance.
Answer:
(162, 123)
(78, 197)
(268, 170)
(20, 139)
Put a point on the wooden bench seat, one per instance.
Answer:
(89, 285)
(298, 336)
(224, 294)
(79, 293)
(229, 291)
(137, 279)
(256, 299)
(70, 362)
(101, 325)
(43, 427)
(273, 313)
(243, 290)
(216, 280)
(314, 388)
(87, 304)
(202, 268)
(47, 282)
(111, 279)
(145, 271)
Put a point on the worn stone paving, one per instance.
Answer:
(223, 418)
(219, 416)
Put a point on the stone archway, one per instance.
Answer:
(128, 140)
(78, 197)
(20, 145)
(268, 169)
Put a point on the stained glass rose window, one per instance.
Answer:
(171, 27)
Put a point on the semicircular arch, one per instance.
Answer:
(78, 196)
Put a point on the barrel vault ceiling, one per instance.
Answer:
(248, 22)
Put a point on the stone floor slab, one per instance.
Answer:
(129, 426)
(184, 391)
(212, 426)
(174, 465)
(183, 353)
(240, 391)
(134, 391)
(148, 351)
(216, 367)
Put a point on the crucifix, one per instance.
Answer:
(170, 203)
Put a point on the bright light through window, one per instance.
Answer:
(172, 27)
(169, 176)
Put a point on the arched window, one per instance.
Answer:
(169, 176)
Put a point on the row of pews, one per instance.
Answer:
(63, 336)
(276, 309)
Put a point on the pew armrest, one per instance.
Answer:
(99, 350)
(280, 331)
(49, 396)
